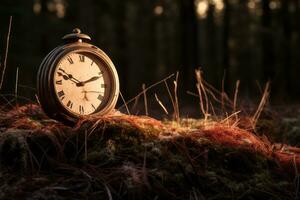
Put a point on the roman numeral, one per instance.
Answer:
(93, 106)
(100, 97)
(59, 82)
(81, 58)
(61, 94)
(70, 60)
(104, 85)
(70, 104)
(92, 63)
(81, 109)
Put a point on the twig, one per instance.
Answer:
(261, 105)
(16, 86)
(202, 95)
(228, 117)
(6, 52)
(125, 103)
(223, 91)
(37, 99)
(145, 99)
(174, 100)
(177, 114)
(134, 107)
(259, 86)
(161, 104)
(148, 88)
(170, 95)
(108, 192)
(237, 85)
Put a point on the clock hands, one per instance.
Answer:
(67, 76)
(64, 76)
(85, 94)
(70, 77)
(94, 78)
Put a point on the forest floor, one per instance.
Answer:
(137, 157)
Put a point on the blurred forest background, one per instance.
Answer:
(251, 40)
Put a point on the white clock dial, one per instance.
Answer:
(81, 83)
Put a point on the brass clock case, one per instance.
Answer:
(74, 43)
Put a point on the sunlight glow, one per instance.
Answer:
(219, 5)
(37, 7)
(158, 10)
(274, 4)
(60, 10)
(201, 8)
(251, 4)
(57, 6)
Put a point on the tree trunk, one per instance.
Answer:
(267, 43)
(286, 44)
(189, 41)
(226, 50)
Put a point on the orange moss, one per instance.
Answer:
(31, 117)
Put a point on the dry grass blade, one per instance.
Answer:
(227, 119)
(204, 103)
(16, 85)
(223, 94)
(145, 99)
(170, 95)
(148, 88)
(263, 102)
(108, 192)
(176, 108)
(237, 85)
(135, 105)
(6, 53)
(213, 92)
(161, 104)
(174, 100)
(127, 109)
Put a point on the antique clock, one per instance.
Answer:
(77, 79)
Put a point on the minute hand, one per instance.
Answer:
(69, 76)
(91, 79)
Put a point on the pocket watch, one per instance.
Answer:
(77, 79)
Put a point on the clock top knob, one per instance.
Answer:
(76, 36)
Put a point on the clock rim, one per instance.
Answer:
(52, 105)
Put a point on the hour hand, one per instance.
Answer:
(89, 80)
(64, 76)
(67, 76)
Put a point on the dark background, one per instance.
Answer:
(251, 40)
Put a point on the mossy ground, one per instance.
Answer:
(131, 157)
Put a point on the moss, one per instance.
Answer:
(13, 149)
(130, 157)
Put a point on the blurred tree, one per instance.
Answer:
(189, 40)
(267, 42)
(251, 40)
(226, 29)
(286, 47)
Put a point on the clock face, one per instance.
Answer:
(82, 83)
